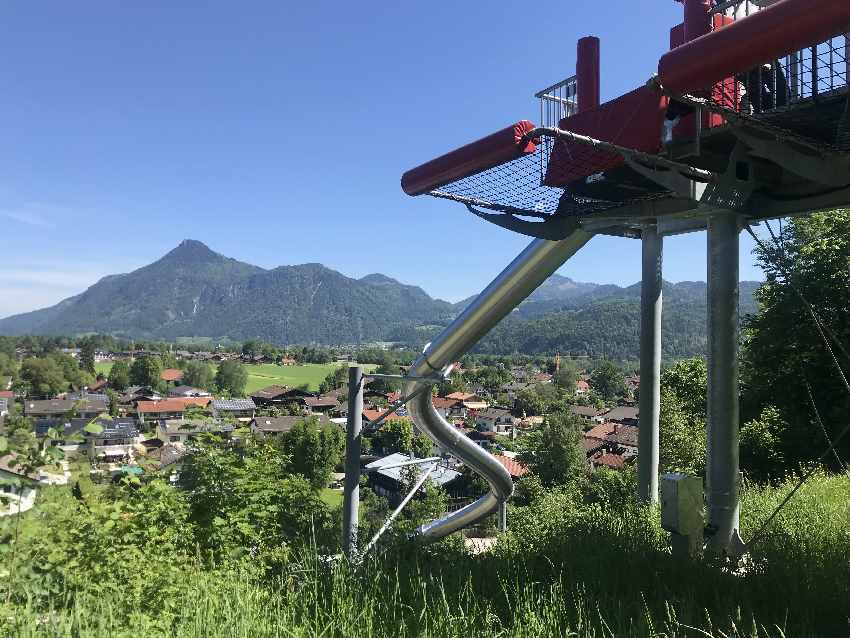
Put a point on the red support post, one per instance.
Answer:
(587, 73)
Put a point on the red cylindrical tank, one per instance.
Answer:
(502, 146)
(587, 73)
(785, 27)
(697, 19)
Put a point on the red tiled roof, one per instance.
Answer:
(600, 431)
(371, 415)
(614, 461)
(514, 467)
(461, 396)
(97, 385)
(172, 405)
(7, 394)
(581, 384)
(443, 402)
(171, 374)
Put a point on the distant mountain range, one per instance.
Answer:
(195, 292)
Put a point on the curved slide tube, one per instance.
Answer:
(530, 269)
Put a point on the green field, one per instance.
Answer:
(262, 375)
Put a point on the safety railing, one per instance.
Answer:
(556, 102)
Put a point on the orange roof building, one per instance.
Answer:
(171, 374)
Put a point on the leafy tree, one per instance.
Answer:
(395, 435)
(44, 377)
(566, 377)
(421, 446)
(314, 450)
(387, 365)
(761, 445)
(231, 378)
(337, 378)
(783, 354)
(87, 357)
(529, 402)
(113, 401)
(688, 378)
(198, 375)
(119, 376)
(682, 437)
(554, 453)
(608, 381)
(146, 371)
(246, 500)
(7, 365)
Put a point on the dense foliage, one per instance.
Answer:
(784, 356)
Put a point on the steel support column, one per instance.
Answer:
(351, 494)
(503, 516)
(723, 410)
(650, 364)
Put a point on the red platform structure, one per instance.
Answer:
(780, 71)
(747, 118)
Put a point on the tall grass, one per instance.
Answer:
(563, 570)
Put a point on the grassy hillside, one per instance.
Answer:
(260, 376)
(563, 569)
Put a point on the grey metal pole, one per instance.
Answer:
(351, 494)
(723, 409)
(650, 364)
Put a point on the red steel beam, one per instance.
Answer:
(785, 27)
(488, 152)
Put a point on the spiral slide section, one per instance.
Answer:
(530, 269)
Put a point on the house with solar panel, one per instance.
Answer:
(241, 410)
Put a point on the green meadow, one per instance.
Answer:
(266, 374)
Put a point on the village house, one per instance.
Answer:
(135, 393)
(321, 404)
(470, 401)
(274, 426)
(449, 408)
(587, 413)
(625, 414)
(582, 387)
(18, 488)
(238, 409)
(114, 441)
(496, 420)
(278, 396)
(171, 375)
(611, 444)
(392, 482)
(183, 391)
(83, 408)
(184, 430)
(167, 409)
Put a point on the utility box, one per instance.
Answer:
(682, 511)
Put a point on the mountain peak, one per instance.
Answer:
(192, 250)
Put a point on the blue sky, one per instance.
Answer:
(277, 133)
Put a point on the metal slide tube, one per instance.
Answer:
(531, 268)
(650, 364)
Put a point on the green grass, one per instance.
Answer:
(565, 569)
(332, 498)
(266, 374)
(103, 367)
